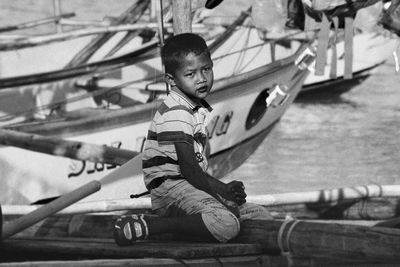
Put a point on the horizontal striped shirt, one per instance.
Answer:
(177, 119)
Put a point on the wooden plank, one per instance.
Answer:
(54, 249)
(243, 261)
(337, 241)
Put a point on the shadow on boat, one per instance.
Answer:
(330, 92)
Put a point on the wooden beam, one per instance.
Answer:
(60, 203)
(329, 240)
(65, 148)
(182, 17)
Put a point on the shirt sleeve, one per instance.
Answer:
(175, 125)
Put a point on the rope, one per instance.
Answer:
(284, 243)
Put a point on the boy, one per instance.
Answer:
(189, 201)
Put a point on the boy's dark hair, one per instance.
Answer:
(179, 46)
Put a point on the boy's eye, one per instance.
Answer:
(190, 74)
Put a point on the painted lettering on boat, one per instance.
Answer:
(77, 168)
(219, 124)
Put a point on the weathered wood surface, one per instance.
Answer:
(310, 243)
(336, 241)
(65, 148)
(181, 16)
(103, 248)
(25, 221)
(242, 261)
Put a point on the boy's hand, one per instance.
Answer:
(234, 191)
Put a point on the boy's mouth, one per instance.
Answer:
(202, 89)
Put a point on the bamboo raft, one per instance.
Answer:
(315, 233)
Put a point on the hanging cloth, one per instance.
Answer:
(333, 72)
(322, 47)
(348, 47)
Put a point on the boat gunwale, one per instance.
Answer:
(48, 128)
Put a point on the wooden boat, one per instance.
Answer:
(28, 93)
(304, 238)
(240, 122)
(29, 90)
(370, 50)
(84, 240)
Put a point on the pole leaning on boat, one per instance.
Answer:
(53, 207)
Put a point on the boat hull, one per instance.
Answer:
(29, 176)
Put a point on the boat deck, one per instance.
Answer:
(95, 248)
(104, 252)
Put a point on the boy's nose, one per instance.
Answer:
(201, 78)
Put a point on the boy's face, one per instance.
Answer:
(194, 77)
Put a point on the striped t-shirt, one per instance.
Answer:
(177, 119)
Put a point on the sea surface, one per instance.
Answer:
(326, 139)
(332, 139)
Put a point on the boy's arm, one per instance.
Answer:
(191, 170)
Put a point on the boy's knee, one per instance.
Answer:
(251, 211)
(223, 225)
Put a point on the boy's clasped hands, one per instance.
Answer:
(234, 194)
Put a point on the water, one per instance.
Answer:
(323, 141)
(332, 140)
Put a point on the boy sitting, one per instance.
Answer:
(189, 201)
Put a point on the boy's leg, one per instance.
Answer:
(187, 211)
(185, 200)
(189, 226)
(251, 211)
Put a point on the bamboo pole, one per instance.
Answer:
(24, 222)
(130, 16)
(64, 148)
(327, 195)
(15, 43)
(57, 12)
(35, 23)
(182, 19)
(85, 207)
(267, 200)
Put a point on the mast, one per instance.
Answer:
(182, 19)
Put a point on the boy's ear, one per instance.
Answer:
(170, 79)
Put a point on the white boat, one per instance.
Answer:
(249, 73)
(369, 51)
(240, 122)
